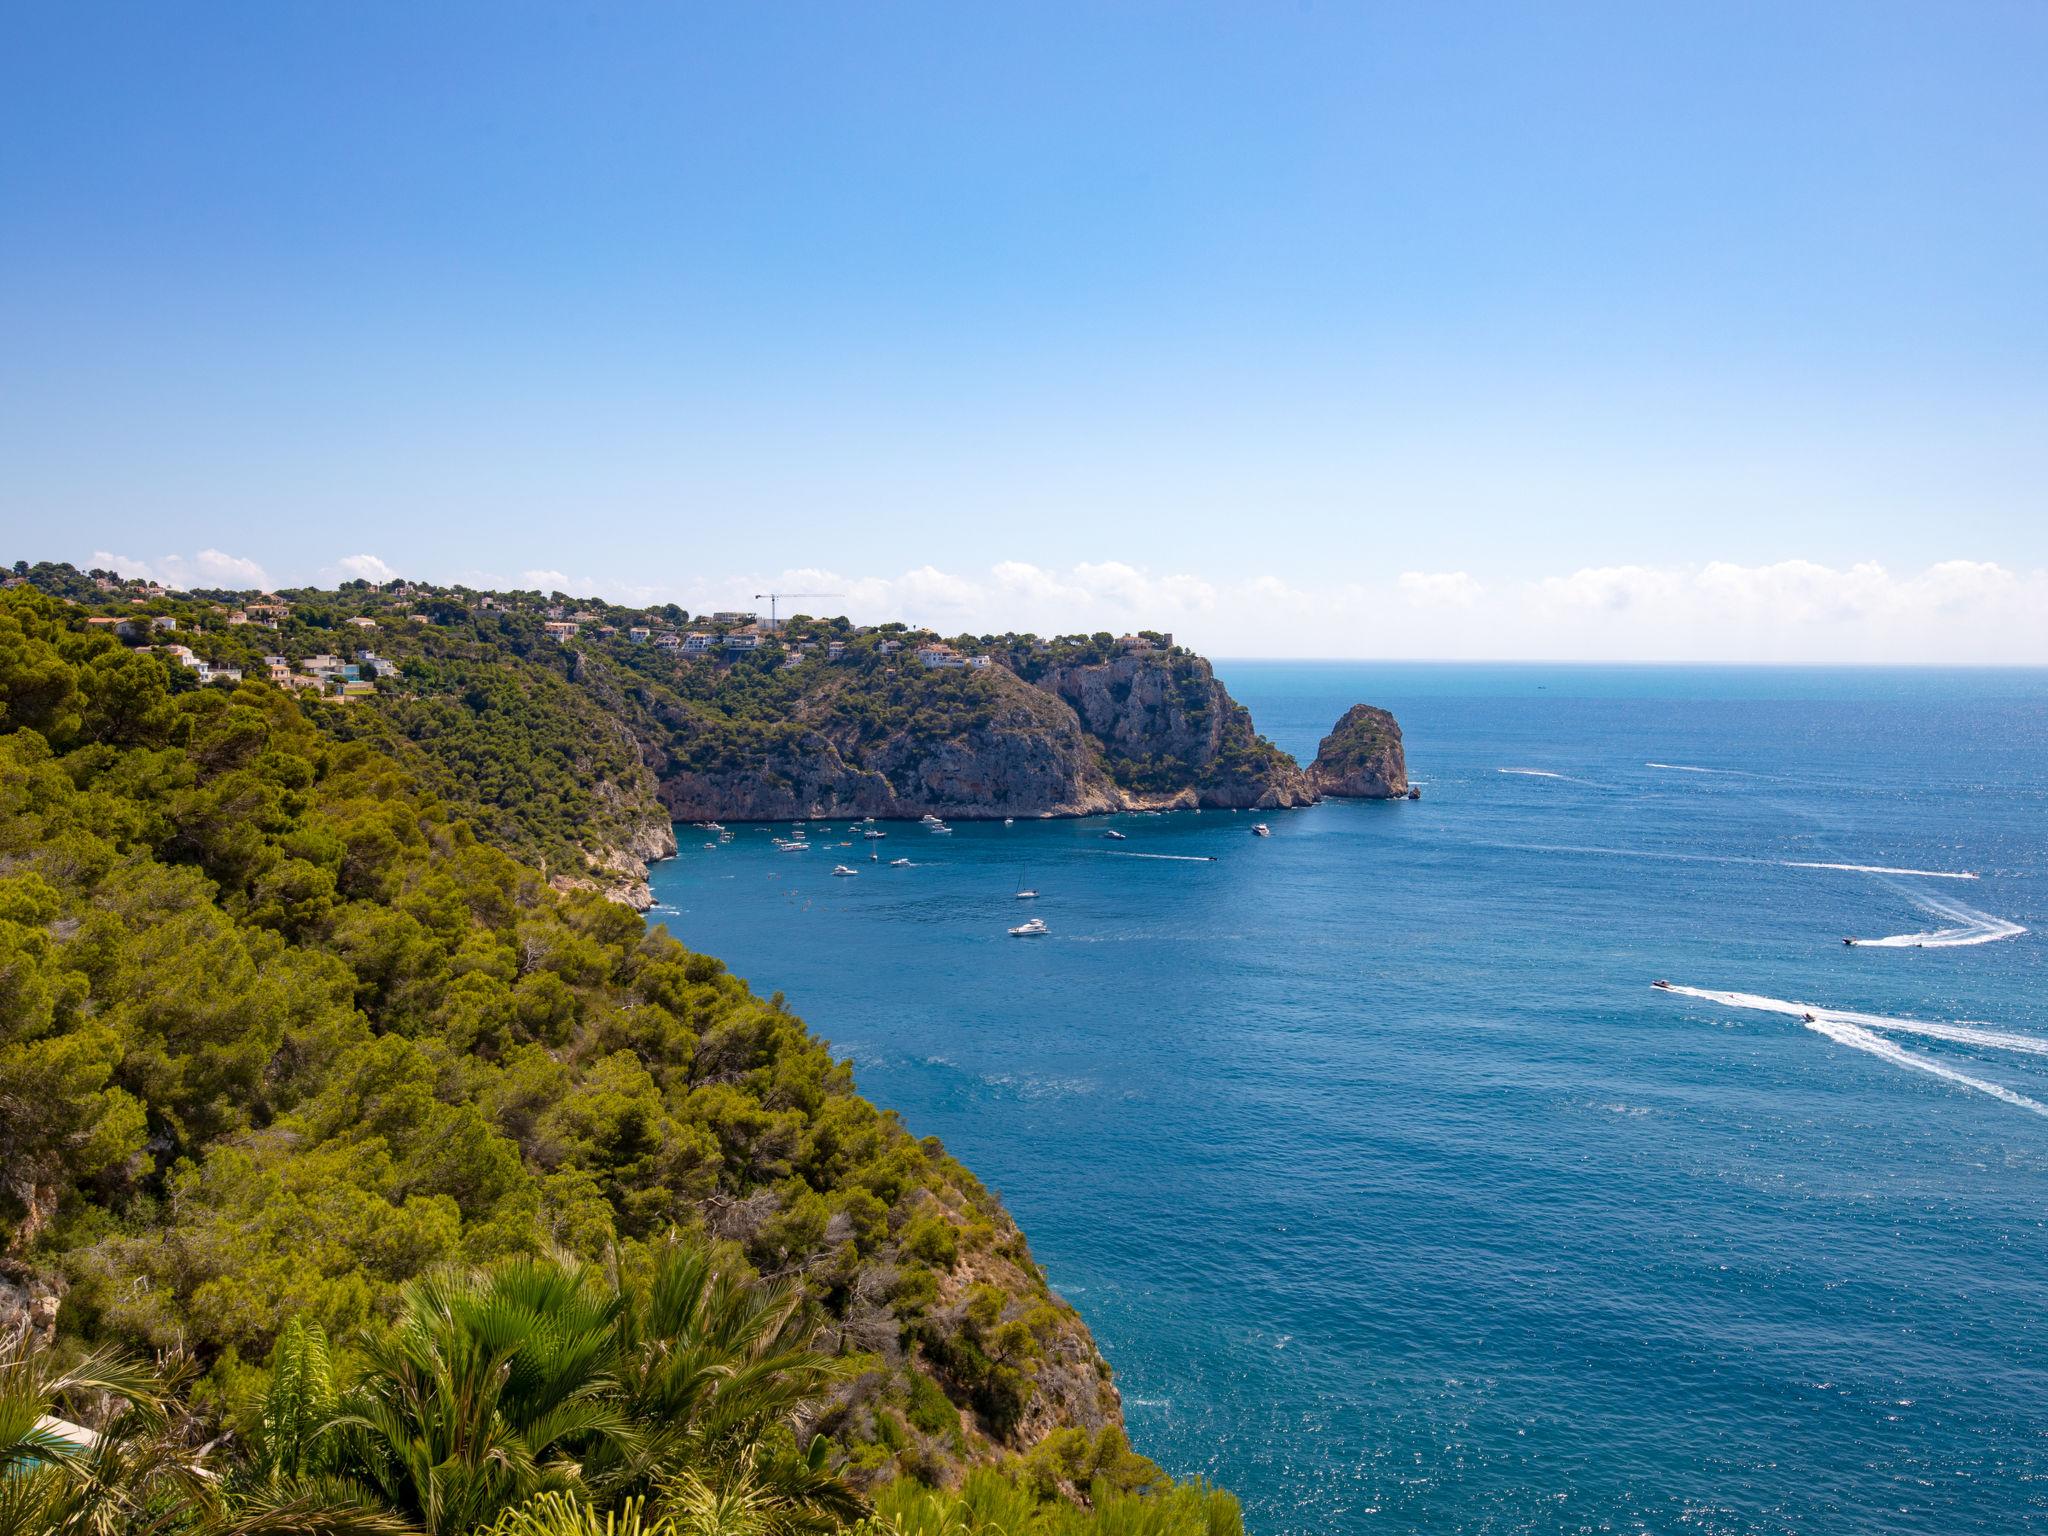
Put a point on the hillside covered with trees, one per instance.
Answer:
(573, 731)
(299, 1057)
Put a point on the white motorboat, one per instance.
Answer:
(900, 864)
(1027, 895)
(1114, 836)
(1029, 930)
(1260, 829)
(841, 869)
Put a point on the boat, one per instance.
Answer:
(782, 847)
(1114, 836)
(1849, 943)
(871, 834)
(940, 830)
(1260, 829)
(1807, 1018)
(1029, 930)
(900, 864)
(1009, 821)
(841, 869)
(1662, 983)
(930, 820)
(1027, 895)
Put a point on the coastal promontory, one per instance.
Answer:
(1361, 758)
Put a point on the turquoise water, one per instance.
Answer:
(1398, 1198)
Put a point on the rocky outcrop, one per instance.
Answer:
(1361, 758)
(1017, 754)
(1172, 737)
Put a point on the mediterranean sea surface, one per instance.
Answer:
(1398, 1197)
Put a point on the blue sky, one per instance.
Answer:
(1554, 329)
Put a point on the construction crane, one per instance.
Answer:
(776, 597)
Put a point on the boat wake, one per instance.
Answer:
(1882, 869)
(1175, 858)
(1969, 926)
(1866, 1032)
(1545, 773)
(1732, 773)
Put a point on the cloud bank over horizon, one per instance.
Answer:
(1788, 611)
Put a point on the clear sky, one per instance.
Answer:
(1709, 330)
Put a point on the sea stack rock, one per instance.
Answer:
(1361, 758)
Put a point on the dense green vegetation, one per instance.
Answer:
(537, 1397)
(285, 1044)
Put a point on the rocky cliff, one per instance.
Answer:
(1147, 731)
(1361, 758)
(1172, 737)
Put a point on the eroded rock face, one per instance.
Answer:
(1153, 731)
(1361, 758)
(1172, 737)
(1024, 755)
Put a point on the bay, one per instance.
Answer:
(1396, 1195)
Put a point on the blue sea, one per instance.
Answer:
(1397, 1196)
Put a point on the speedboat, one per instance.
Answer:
(871, 834)
(1664, 984)
(1009, 821)
(1114, 836)
(1027, 895)
(1260, 829)
(940, 830)
(1807, 1018)
(841, 869)
(1849, 943)
(900, 864)
(1028, 930)
(929, 819)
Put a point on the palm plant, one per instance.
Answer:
(55, 1483)
(489, 1389)
(716, 1370)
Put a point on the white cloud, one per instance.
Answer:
(1440, 589)
(365, 568)
(208, 568)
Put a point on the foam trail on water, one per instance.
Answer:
(1735, 773)
(1177, 858)
(1859, 1031)
(1882, 869)
(1971, 927)
(1531, 773)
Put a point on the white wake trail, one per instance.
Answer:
(1733, 773)
(1882, 869)
(1970, 927)
(1176, 858)
(1859, 1031)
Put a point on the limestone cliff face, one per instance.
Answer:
(1172, 737)
(1361, 758)
(1019, 754)
(1147, 731)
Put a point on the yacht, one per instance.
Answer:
(1028, 930)
(841, 869)
(941, 829)
(1114, 836)
(929, 819)
(1260, 829)
(793, 847)
(900, 864)
(1009, 821)
(871, 834)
